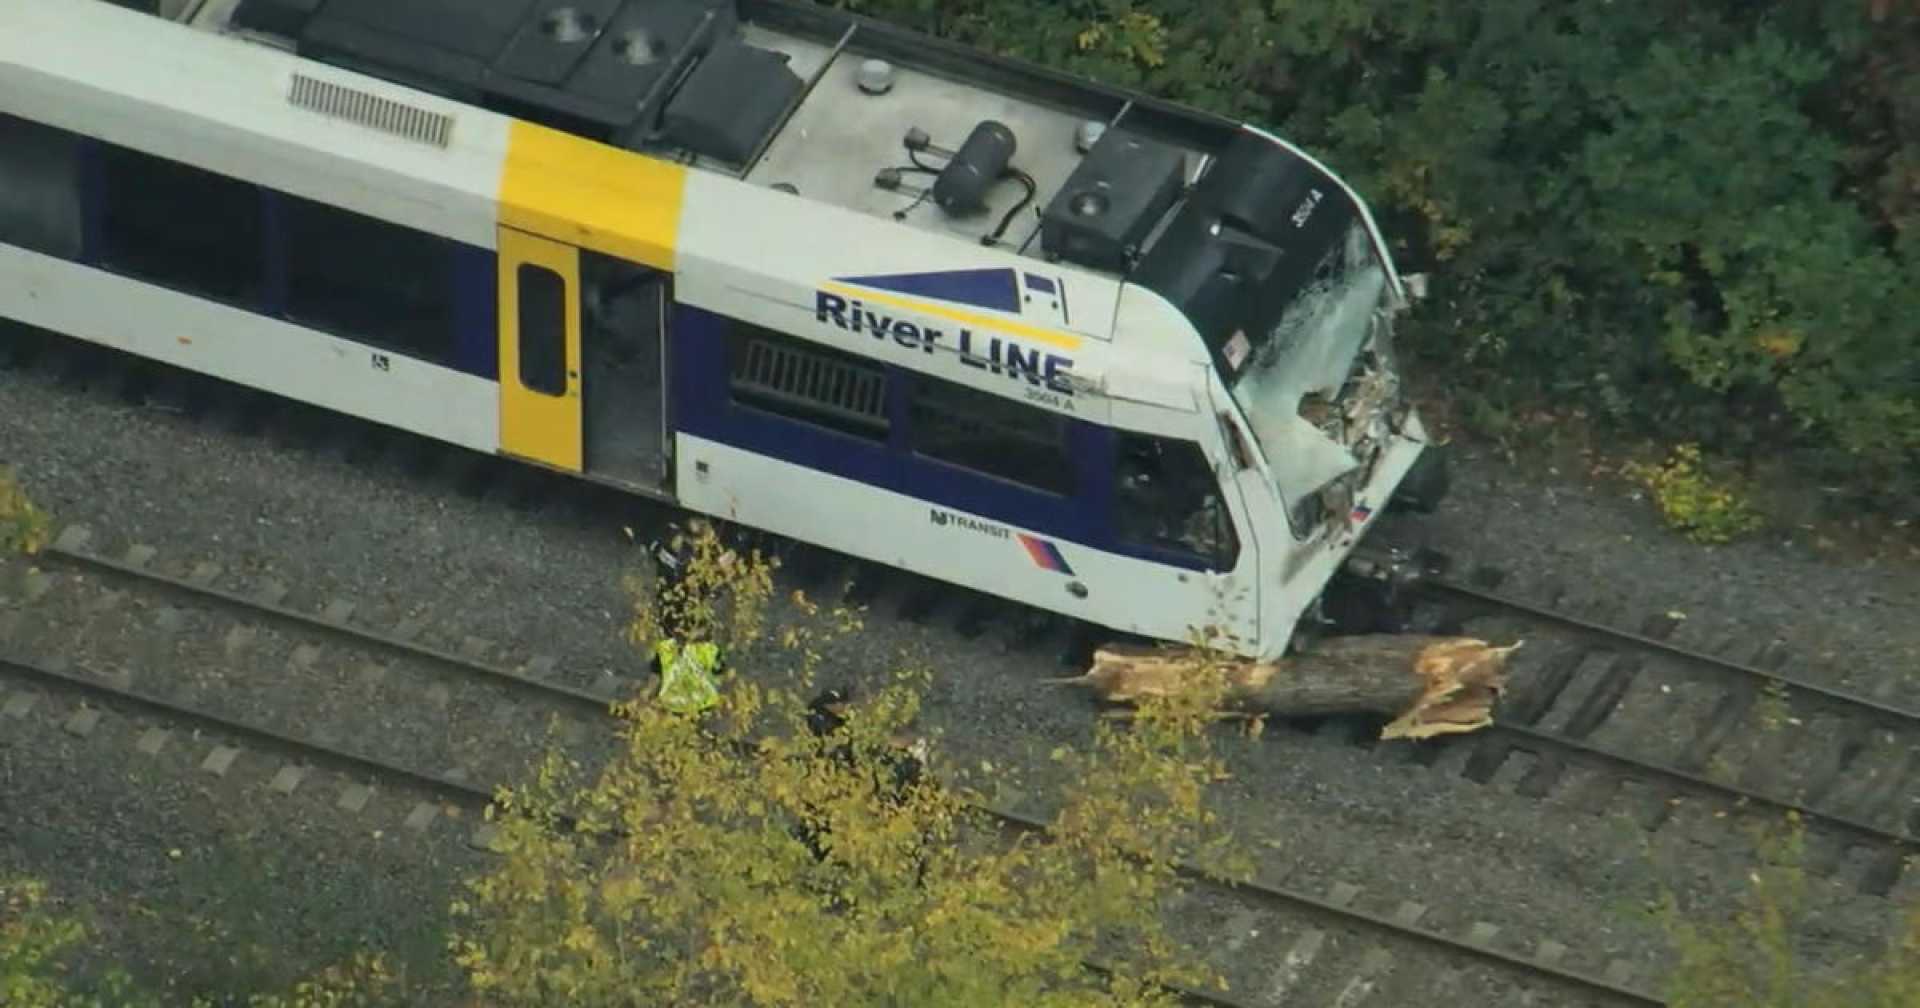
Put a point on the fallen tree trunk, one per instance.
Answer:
(1428, 685)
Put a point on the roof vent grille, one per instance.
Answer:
(371, 110)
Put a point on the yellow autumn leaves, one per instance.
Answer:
(1692, 501)
(23, 526)
(737, 857)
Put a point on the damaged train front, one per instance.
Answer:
(1284, 274)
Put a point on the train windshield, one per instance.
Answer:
(1303, 384)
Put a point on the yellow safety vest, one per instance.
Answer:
(687, 684)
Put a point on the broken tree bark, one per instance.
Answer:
(1428, 685)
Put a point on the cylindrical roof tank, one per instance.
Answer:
(963, 184)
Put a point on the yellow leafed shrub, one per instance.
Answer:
(734, 856)
(23, 526)
(1692, 501)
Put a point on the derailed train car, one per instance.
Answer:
(766, 261)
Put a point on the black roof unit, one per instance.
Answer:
(732, 100)
(602, 68)
(1121, 189)
(1247, 240)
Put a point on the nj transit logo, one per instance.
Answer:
(1044, 554)
(1008, 344)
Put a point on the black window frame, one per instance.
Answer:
(542, 361)
(196, 226)
(367, 279)
(149, 218)
(44, 164)
(1182, 468)
(999, 422)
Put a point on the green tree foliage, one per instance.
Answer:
(32, 940)
(677, 873)
(1755, 959)
(40, 940)
(1698, 219)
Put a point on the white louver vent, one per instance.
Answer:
(371, 110)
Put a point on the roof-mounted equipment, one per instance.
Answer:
(1112, 201)
(731, 102)
(961, 187)
(1247, 239)
(972, 171)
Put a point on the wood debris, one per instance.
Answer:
(1428, 685)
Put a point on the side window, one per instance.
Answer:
(369, 280)
(1167, 497)
(804, 381)
(543, 329)
(990, 434)
(176, 225)
(40, 201)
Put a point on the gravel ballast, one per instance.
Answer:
(221, 885)
(1312, 803)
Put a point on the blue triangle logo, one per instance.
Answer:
(995, 288)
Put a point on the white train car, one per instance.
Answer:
(764, 260)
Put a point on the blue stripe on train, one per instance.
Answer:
(476, 311)
(474, 285)
(700, 405)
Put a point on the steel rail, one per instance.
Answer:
(70, 548)
(1732, 793)
(109, 695)
(1877, 710)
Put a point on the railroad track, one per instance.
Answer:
(1679, 724)
(1591, 719)
(385, 685)
(1277, 939)
(86, 367)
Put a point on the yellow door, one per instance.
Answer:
(540, 350)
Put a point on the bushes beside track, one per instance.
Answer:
(23, 526)
(1698, 222)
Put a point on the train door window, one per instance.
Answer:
(990, 434)
(177, 225)
(1167, 498)
(803, 381)
(543, 329)
(369, 280)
